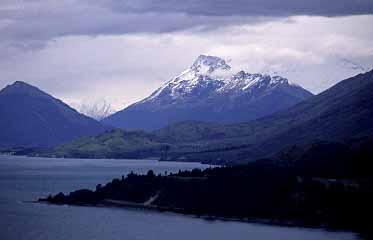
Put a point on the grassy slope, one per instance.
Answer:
(112, 144)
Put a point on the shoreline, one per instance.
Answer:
(108, 203)
(111, 159)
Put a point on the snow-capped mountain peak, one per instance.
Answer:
(210, 91)
(212, 75)
(203, 69)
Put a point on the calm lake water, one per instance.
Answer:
(25, 179)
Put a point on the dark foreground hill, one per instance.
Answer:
(324, 184)
(30, 117)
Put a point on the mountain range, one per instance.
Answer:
(210, 91)
(33, 118)
(339, 114)
(207, 91)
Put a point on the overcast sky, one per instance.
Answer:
(122, 50)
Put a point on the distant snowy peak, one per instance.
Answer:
(97, 110)
(214, 75)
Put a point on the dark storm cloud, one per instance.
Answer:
(29, 24)
(248, 7)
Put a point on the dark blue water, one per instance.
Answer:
(25, 179)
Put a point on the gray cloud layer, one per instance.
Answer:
(314, 52)
(30, 23)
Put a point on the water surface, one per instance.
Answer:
(24, 179)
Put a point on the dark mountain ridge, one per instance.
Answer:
(341, 112)
(33, 118)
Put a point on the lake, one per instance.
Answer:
(25, 179)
